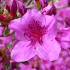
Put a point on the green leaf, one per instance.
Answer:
(38, 4)
(24, 0)
(26, 62)
(38, 63)
(8, 67)
(3, 63)
(59, 20)
(7, 31)
(6, 11)
(10, 44)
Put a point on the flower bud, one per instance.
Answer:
(69, 2)
(43, 3)
(21, 8)
(13, 7)
(49, 10)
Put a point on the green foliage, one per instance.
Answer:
(10, 44)
(8, 67)
(26, 62)
(38, 4)
(3, 63)
(6, 11)
(24, 0)
(7, 31)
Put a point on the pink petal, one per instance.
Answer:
(19, 24)
(50, 21)
(61, 3)
(4, 41)
(65, 44)
(15, 23)
(49, 51)
(22, 51)
(51, 28)
(63, 37)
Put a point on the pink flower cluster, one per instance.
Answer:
(34, 35)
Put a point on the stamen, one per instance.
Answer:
(35, 31)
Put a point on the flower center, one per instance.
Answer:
(35, 31)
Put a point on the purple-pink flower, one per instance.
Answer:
(4, 41)
(63, 36)
(36, 33)
(61, 3)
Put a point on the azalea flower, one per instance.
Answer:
(63, 17)
(37, 34)
(25, 67)
(63, 36)
(61, 3)
(4, 41)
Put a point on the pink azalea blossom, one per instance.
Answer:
(64, 12)
(63, 63)
(25, 67)
(37, 33)
(4, 41)
(61, 23)
(63, 36)
(63, 17)
(61, 3)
